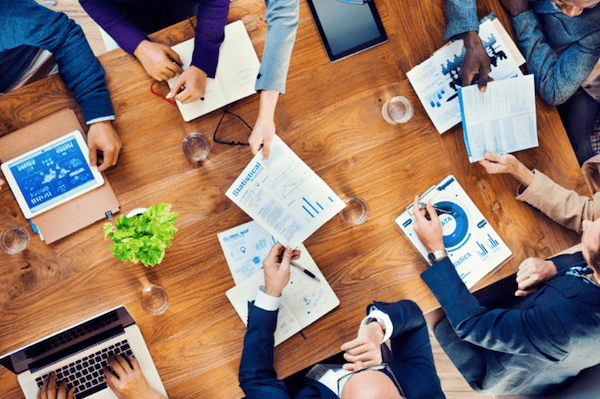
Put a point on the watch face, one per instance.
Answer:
(431, 257)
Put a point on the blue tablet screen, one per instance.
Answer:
(51, 174)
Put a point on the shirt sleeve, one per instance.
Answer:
(28, 23)
(564, 206)
(212, 17)
(282, 19)
(536, 331)
(461, 16)
(557, 78)
(266, 302)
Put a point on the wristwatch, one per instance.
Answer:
(437, 256)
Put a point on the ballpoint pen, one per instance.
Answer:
(440, 210)
(308, 273)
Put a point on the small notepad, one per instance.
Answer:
(235, 77)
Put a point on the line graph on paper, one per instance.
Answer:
(288, 180)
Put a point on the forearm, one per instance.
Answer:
(564, 206)
(282, 19)
(461, 17)
(556, 78)
(113, 19)
(212, 17)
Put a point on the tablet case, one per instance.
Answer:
(77, 213)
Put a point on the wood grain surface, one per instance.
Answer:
(331, 117)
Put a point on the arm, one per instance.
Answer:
(282, 19)
(257, 376)
(26, 22)
(564, 206)
(557, 78)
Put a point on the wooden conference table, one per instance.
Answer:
(331, 117)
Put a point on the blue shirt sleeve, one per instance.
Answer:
(461, 16)
(557, 77)
(24, 22)
(282, 19)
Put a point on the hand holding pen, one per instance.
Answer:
(277, 268)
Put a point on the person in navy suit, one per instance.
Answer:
(411, 374)
(533, 344)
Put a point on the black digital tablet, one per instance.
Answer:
(347, 27)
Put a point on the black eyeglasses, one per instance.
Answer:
(380, 367)
(360, 2)
(225, 112)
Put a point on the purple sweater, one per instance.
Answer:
(212, 17)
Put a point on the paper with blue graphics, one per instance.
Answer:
(436, 79)
(284, 195)
(501, 120)
(473, 246)
(303, 301)
(245, 247)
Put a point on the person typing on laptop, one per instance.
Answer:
(127, 382)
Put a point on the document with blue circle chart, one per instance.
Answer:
(473, 246)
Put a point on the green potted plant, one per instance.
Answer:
(143, 237)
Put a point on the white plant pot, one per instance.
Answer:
(137, 211)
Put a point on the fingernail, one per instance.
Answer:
(169, 95)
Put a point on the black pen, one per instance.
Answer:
(308, 273)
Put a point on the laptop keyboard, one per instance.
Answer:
(86, 373)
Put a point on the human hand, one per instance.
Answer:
(1, 183)
(129, 382)
(507, 163)
(264, 128)
(514, 7)
(193, 81)
(277, 269)
(159, 60)
(48, 390)
(532, 272)
(429, 231)
(364, 350)
(102, 136)
(475, 61)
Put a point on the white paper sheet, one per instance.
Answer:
(284, 195)
(245, 247)
(501, 120)
(434, 80)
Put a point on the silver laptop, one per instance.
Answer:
(79, 353)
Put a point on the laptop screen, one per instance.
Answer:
(72, 340)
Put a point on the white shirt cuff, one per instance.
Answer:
(266, 302)
(382, 318)
(101, 119)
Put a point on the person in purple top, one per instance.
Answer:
(129, 21)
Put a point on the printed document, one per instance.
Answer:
(236, 72)
(284, 195)
(303, 301)
(501, 120)
(436, 80)
(245, 247)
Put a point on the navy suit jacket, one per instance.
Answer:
(412, 366)
(532, 347)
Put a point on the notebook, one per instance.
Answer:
(79, 353)
(303, 301)
(78, 213)
(236, 72)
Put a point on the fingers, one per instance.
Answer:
(267, 147)
(62, 390)
(116, 366)
(134, 363)
(52, 387)
(175, 57)
(432, 213)
(420, 218)
(93, 153)
(525, 292)
(71, 394)
(483, 79)
(42, 392)
(287, 257)
(275, 250)
(176, 87)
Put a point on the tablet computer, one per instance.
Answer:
(347, 27)
(52, 174)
